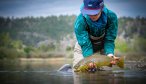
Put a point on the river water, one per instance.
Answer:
(44, 71)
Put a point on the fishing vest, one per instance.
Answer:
(97, 42)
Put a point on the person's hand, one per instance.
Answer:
(91, 65)
(114, 59)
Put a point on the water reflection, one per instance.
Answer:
(101, 77)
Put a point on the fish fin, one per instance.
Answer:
(65, 68)
(110, 65)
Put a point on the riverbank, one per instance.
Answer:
(41, 59)
(47, 60)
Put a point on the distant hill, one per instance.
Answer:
(35, 30)
(31, 30)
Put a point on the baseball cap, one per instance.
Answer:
(92, 7)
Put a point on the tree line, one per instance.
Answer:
(23, 35)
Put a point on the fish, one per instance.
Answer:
(99, 60)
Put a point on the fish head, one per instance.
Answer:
(120, 63)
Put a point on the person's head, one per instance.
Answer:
(93, 8)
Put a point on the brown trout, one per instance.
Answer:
(99, 60)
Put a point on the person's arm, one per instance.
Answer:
(111, 33)
(83, 37)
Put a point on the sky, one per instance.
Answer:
(23, 8)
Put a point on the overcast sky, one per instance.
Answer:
(22, 8)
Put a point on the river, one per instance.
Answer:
(44, 71)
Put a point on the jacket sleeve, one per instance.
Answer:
(83, 37)
(111, 33)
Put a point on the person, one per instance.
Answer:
(96, 30)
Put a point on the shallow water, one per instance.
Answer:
(45, 72)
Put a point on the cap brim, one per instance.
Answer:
(90, 12)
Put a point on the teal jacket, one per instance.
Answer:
(107, 21)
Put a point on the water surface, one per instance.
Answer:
(44, 71)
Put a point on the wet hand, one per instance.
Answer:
(114, 59)
(91, 67)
